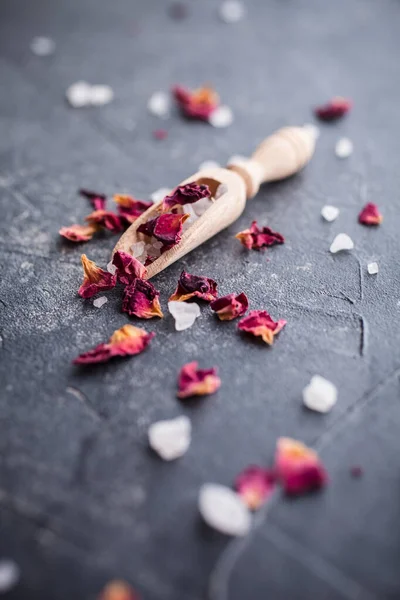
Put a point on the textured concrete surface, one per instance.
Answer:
(82, 499)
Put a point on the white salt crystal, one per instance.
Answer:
(232, 11)
(221, 116)
(79, 94)
(188, 209)
(42, 46)
(223, 510)
(160, 194)
(9, 575)
(170, 438)
(184, 314)
(313, 129)
(137, 249)
(100, 95)
(341, 242)
(157, 244)
(201, 206)
(209, 164)
(320, 394)
(159, 104)
(373, 268)
(98, 302)
(330, 213)
(344, 148)
(111, 268)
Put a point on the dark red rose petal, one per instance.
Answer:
(186, 194)
(95, 279)
(197, 382)
(255, 238)
(298, 468)
(78, 233)
(190, 286)
(370, 215)
(106, 219)
(141, 300)
(129, 208)
(333, 110)
(98, 201)
(231, 306)
(260, 323)
(165, 228)
(199, 104)
(255, 485)
(128, 267)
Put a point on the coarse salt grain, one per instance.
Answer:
(184, 314)
(313, 129)
(208, 164)
(159, 194)
(201, 206)
(101, 95)
(98, 302)
(320, 394)
(221, 116)
(138, 249)
(373, 268)
(170, 438)
(9, 575)
(224, 510)
(159, 105)
(189, 210)
(78, 94)
(330, 213)
(344, 148)
(232, 11)
(42, 46)
(341, 242)
(111, 268)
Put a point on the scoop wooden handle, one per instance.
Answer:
(280, 155)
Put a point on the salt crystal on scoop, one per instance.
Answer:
(170, 438)
(344, 148)
(159, 104)
(9, 575)
(373, 268)
(224, 510)
(232, 11)
(101, 95)
(42, 46)
(341, 242)
(98, 302)
(184, 314)
(79, 94)
(160, 194)
(138, 249)
(201, 206)
(221, 116)
(330, 213)
(320, 394)
(111, 268)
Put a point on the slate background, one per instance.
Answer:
(82, 498)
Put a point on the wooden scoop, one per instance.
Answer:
(278, 156)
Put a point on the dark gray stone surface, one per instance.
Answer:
(82, 499)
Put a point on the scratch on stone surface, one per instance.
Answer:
(98, 416)
(360, 271)
(364, 338)
(79, 472)
(3, 303)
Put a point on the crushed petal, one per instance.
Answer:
(341, 242)
(223, 510)
(255, 485)
(160, 134)
(298, 468)
(128, 267)
(118, 590)
(185, 194)
(320, 394)
(184, 314)
(126, 341)
(197, 382)
(166, 228)
(129, 208)
(373, 268)
(333, 110)
(95, 279)
(255, 238)
(260, 323)
(141, 299)
(105, 219)
(98, 201)
(329, 213)
(191, 286)
(78, 233)
(230, 307)
(170, 438)
(199, 104)
(370, 215)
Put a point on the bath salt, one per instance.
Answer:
(373, 268)
(159, 105)
(224, 510)
(43, 46)
(232, 11)
(209, 164)
(222, 116)
(79, 94)
(189, 209)
(330, 213)
(101, 95)
(344, 148)
(320, 394)
(170, 438)
(111, 268)
(201, 206)
(341, 242)
(184, 313)
(99, 302)
(9, 575)
(138, 249)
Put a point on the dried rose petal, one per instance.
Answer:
(190, 286)
(255, 485)
(255, 238)
(298, 468)
(98, 201)
(231, 306)
(141, 300)
(259, 322)
(333, 110)
(105, 219)
(165, 228)
(118, 590)
(95, 279)
(199, 104)
(186, 194)
(197, 382)
(370, 215)
(160, 134)
(129, 208)
(78, 233)
(126, 341)
(128, 267)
